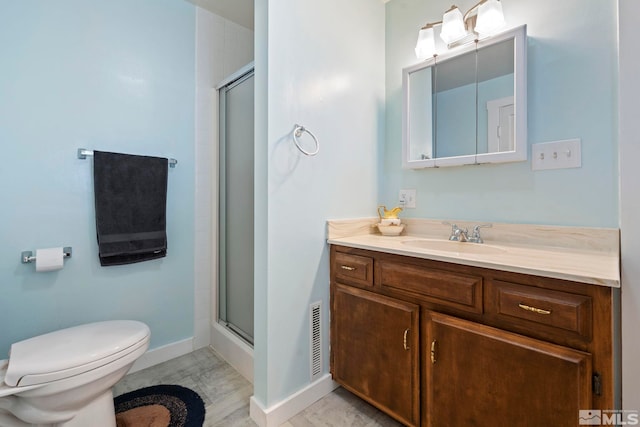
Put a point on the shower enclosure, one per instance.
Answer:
(236, 202)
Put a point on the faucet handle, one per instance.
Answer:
(476, 228)
(453, 226)
(475, 236)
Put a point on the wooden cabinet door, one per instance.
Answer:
(477, 375)
(375, 350)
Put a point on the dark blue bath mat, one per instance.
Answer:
(160, 405)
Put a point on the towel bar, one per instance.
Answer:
(83, 153)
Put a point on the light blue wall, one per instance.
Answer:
(111, 75)
(572, 84)
(323, 70)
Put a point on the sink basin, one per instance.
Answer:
(457, 247)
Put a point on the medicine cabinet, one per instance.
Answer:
(468, 105)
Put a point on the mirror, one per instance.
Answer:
(467, 106)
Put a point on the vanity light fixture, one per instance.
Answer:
(482, 20)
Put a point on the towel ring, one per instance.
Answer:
(297, 133)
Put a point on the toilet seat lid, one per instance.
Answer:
(71, 351)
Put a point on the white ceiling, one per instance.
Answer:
(238, 11)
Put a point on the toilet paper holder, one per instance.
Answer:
(27, 256)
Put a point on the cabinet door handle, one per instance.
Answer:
(404, 339)
(348, 268)
(433, 351)
(534, 309)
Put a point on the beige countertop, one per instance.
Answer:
(580, 254)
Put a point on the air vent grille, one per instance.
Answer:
(316, 340)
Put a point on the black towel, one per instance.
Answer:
(131, 199)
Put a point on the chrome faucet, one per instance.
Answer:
(462, 234)
(475, 234)
(458, 234)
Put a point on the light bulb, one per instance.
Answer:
(426, 45)
(490, 18)
(452, 26)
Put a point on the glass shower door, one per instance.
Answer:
(235, 292)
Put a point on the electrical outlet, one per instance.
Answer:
(556, 155)
(407, 198)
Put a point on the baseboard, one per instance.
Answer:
(233, 350)
(279, 413)
(162, 354)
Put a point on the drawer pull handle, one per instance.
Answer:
(404, 339)
(433, 352)
(534, 309)
(346, 267)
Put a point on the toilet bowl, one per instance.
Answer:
(65, 378)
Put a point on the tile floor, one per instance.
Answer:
(226, 395)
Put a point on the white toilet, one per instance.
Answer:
(64, 378)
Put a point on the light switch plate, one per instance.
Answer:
(556, 155)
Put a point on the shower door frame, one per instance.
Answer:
(230, 82)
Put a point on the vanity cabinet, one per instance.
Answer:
(375, 345)
(480, 375)
(376, 350)
(440, 344)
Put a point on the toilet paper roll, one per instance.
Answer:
(50, 259)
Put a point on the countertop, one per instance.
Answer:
(580, 254)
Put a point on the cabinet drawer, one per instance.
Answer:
(559, 310)
(441, 287)
(354, 268)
